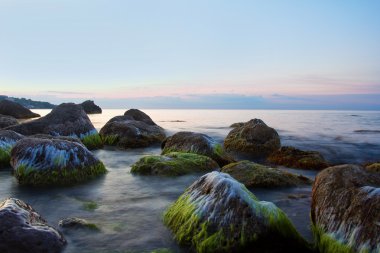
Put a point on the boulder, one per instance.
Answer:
(67, 119)
(255, 175)
(90, 107)
(238, 124)
(23, 230)
(8, 139)
(77, 223)
(53, 162)
(295, 158)
(253, 139)
(135, 129)
(345, 209)
(218, 214)
(197, 143)
(173, 164)
(16, 110)
(6, 121)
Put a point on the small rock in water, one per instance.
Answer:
(16, 110)
(90, 107)
(23, 230)
(77, 223)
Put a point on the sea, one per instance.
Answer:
(128, 208)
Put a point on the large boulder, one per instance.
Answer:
(253, 139)
(173, 164)
(53, 162)
(16, 110)
(6, 121)
(218, 214)
(23, 230)
(67, 119)
(8, 139)
(295, 158)
(90, 107)
(197, 143)
(345, 210)
(255, 175)
(135, 129)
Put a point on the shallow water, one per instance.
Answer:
(128, 208)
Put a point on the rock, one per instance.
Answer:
(90, 107)
(218, 214)
(254, 139)
(255, 175)
(77, 223)
(23, 230)
(173, 164)
(67, 119)
(16, 110)
(238, 124)
(51, 137)
(197, 143)
(53, 162)
(135, 129)
(8, 139)
(345, 210)
(374, 167)
(295, 158)
(6, 121)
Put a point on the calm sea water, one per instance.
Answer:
(129, 208)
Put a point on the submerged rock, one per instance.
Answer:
(53, 162)
(197, 143)
(8, 139)
(218, 214)
(173, 164)
(254, 139)
(23, 230)
(345, 210)
(90, 107)
(67, 119)
(16, 110)
(256, 175)
(295, 158)
(77, 223)
(6, 121)
(135, 129)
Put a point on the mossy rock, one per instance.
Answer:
(218, 214)
(256, 175)
(53, 162)
(296, 158)
(77, 223)
(8, 139)
(374, 167)
(173, 164)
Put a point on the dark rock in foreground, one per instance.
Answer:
(218, 214)
(197, 143)
(135, 129)
(295, 158)
(64, 120)
(8, 139)
(23, 230)
(90, 107)
(6, 121)
(173, 164)
(253, 139)
(77, 223)
(16, 110)
(53, 162)
(255, 175)
(345, 210)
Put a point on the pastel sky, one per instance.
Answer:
(202, 53)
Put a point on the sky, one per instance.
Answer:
(320, 54)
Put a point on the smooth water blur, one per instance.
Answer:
(129, 208)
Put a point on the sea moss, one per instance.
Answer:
(36, 177)
(92, 141)
(4, 156)
(173, 164)
(110, 140)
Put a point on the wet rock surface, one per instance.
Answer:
(6, 121)
(77, 223)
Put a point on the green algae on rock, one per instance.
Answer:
(218, 214)
(173, 164)
(53, 162)
(345, 210)
(373, 167)
(8, 139)
(295, 158)
(197, 143)
(256, 175)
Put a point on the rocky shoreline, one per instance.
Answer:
(217, 213)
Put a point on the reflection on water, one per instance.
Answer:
(129, 208)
